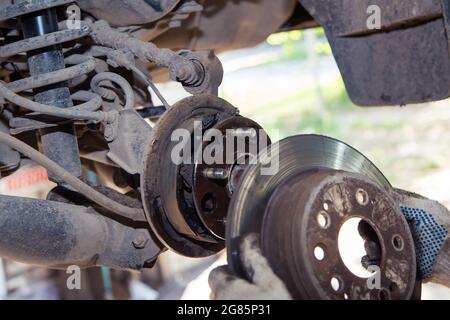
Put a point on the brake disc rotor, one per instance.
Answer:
(315, 172)
(303, 222)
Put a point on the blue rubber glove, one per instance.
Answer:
(430, 224)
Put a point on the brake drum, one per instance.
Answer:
(186, 203)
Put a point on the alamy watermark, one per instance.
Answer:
(73, 13)
(74, 280)
(236, 146)
(373, 21)
(374, 281)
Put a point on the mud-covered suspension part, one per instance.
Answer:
(60, 143)
(42, 39)
(198, 72)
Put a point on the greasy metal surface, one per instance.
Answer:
(166, 187)
(291, 233)
(296, 154)
(404, 62)
(212, 196)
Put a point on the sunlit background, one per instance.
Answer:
(291, 84)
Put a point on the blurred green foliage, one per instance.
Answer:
(405, 143)
(294, 44)
(299, 112)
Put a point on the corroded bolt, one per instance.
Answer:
(109, 133)
(187, 73)
(209, 205)
(244, 132)
(216, 173)
(140, 242)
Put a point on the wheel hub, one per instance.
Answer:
(187, 202)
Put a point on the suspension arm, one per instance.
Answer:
(56, 235)
(198, 72)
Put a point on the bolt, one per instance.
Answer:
(85, 28)
(216, 173)
(244, 132)
(187, 73)
(208, 205)
(109, 133)
(140, 242)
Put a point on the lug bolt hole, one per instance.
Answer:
(362, 197)
(335, 284)
(319, 252)
(323, 219)
(384, 294)
(397, 242)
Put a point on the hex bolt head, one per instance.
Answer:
(209, 205)
(140, 242)
(245, 132)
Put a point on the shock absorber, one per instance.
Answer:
(58, 143)
(42, 41)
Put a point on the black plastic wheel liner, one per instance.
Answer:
(405, 61)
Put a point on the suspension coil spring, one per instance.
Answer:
(16, 51)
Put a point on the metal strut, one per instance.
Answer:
(58, 143)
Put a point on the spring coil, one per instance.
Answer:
(81, 65)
